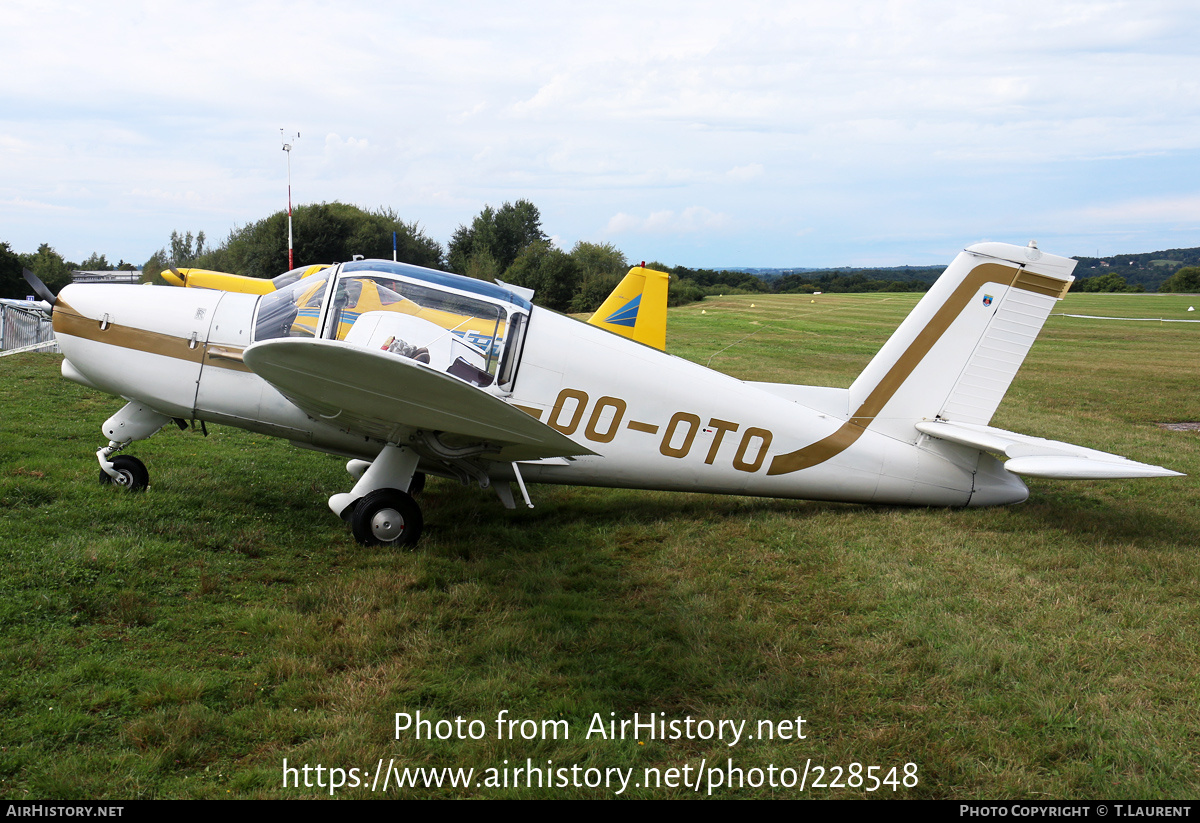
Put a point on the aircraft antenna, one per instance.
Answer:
(287, 147)
(708, 363)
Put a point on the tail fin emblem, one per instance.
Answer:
(627, 314)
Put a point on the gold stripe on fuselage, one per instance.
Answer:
(67, 321)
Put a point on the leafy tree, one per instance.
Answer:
(152, 269)
(323, 233)
(721, 282)
(682, 292)
(96, 262)
(1186, 280)
(839, 281)
(551, 273)
(501, 233)
(482, 266)
(601, 267)
(49, 266)
(183, 252)
(1111, 282)
(12, 284)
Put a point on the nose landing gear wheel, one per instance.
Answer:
(386, 517)
(133, 474)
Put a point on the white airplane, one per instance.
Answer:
(535, 396)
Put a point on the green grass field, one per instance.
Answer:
(186, 642)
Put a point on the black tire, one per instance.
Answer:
(387, 517)
(134, 476)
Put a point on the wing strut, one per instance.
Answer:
(521, 485)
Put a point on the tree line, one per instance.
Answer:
(49, 266)
(505, 243)
(508, 243)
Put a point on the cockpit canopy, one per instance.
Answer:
(458, 325)
(289, 277)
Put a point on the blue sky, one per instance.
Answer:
(702, 134)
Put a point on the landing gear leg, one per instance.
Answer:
(133, 422)
(379, 510)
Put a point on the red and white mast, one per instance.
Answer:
(287, 147)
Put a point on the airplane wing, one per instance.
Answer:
(382, 395)
(1037, 457)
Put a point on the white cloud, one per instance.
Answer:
(689, 221)
(1171, 210)
(32, 205)
(742, 174)
(860, 119)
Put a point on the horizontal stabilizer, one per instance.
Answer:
(1038, 457)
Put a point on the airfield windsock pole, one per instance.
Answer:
(287, 147)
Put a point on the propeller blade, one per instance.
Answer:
(39, 288)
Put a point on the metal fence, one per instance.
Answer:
(23, 327)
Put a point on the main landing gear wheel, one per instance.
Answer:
(386, 517)
(133, 474)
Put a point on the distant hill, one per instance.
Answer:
(1148, 270)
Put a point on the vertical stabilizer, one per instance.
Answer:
(956, 354)
(637, 308)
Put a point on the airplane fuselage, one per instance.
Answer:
(408, 370)
(653, 421)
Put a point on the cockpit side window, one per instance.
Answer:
(292, 311)
(513, 346)
(456, 333)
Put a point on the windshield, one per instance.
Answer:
(292, 311)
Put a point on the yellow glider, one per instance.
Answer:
(224, 281)
(637, 307)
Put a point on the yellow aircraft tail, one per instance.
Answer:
(637, 308)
